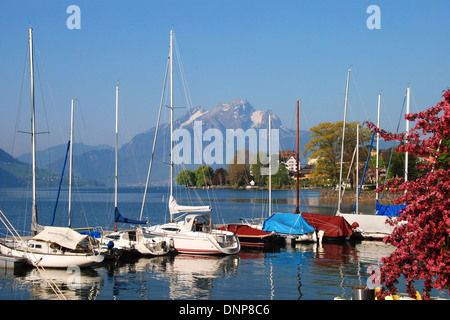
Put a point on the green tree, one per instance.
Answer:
(397, 168)
(325, 147)
(186, 177)
(203, 175)
(280, 179)
(259, 179)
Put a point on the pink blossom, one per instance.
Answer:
(423, 243)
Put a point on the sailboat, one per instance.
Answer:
(192, 230)
(52, 247)
(251, 235)
(292, 226)
(368, 226)
(389, 210)
(120, 244)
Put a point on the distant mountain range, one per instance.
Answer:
(97, 163)
(13, 172)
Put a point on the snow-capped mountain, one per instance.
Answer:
(134, 156)
(238, 114)
(233, 115)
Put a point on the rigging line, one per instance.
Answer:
(60, 183)
(359, 96)
(81, 144)
(188, 99)
(84, 154)
(348, 175)
(392, 148)
(52, 100)
(40, 83)
(182, 75)
(414, 101)
(154, 141)
(305, 117)
(40, 269)
(383, 102)
(77, 187)
(19, 109)
(42, 92)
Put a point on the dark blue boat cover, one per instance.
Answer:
(389, 210)
(118, 218)
(287, 223)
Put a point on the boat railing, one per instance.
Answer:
(224, 240)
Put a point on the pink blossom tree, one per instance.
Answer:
(421, 237)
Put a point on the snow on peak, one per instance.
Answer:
(257, 118)
(196, 115)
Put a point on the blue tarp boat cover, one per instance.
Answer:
(287, 223)
(389, 210)
(118, 218)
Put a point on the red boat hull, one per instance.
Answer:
(335, 227)
(252, 237)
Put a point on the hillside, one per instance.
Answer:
(97, 163)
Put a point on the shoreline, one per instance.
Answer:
(325, 194)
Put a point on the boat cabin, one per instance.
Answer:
(198, 222)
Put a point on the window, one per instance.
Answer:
(171, 229)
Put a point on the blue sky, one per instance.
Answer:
(268, 52)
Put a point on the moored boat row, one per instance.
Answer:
(190, 230)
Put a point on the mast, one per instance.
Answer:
(270, 164)
(407, 132)
(116, 152)
(343, 138)
(378, 146)
(116, 145)
(356, 167)
(70, 163)
(34, 217)
(298, 159)
(171, 119)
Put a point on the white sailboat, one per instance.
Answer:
(369, 226)
(123, 243)
(52, 247)
(195, 233)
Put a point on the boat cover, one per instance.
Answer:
(63, 236)
(118, 218)
(389, 210)
(333, 226)
(287, 223)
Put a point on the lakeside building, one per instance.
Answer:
(289, 159)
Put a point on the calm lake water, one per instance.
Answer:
(306, 272)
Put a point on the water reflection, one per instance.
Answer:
(305, 271)
(192, 276)
(327, 270)
(184, 276)
(74, 284)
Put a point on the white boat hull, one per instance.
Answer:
(291, 239)
(64, 261)
(53, 260)
(370, 226)
(134, 241)
(209, 243)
